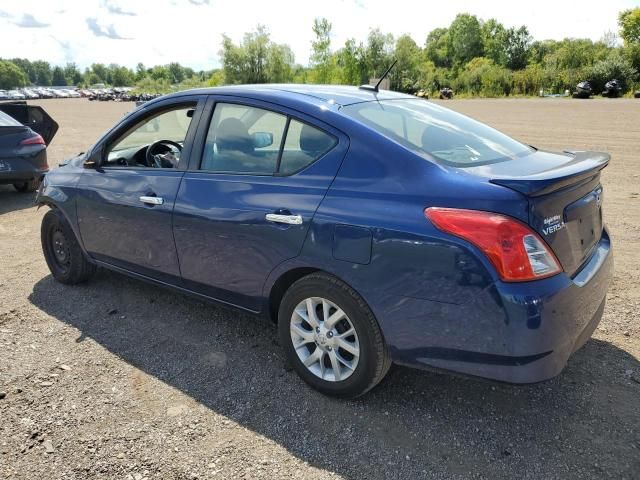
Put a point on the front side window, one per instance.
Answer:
(157, 141)
(249, 140)
(445, 135)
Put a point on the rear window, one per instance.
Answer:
(447, 136)
(8, 121)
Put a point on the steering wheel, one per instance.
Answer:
(151, 158)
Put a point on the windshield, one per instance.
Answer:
(447, 136)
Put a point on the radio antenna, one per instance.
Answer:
(375, 88)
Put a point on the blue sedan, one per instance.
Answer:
(372, 227)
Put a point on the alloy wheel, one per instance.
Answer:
(324, 339)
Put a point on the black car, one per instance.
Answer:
(25, 132)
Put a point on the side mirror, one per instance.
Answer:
(262, 139)
(94, 159)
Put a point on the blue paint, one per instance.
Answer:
(437, 298)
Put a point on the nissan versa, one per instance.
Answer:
(372, 226)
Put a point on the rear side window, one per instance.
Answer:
(440, 133)
(250, 140)
(303, 146)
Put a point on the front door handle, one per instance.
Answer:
(149, 200)
(287, 219)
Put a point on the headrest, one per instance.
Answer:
(232, 134)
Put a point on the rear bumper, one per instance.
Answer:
(512, 332)
(23, 168)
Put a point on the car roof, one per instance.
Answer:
(339, 95)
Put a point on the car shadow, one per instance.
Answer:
(11, 200)
(414, 424)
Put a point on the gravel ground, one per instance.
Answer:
(119, 379)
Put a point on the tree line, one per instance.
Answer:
(471, 55)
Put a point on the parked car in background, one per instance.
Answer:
(25, 132)
(42, 92)
(29, 94)
(15, 95)
(3, 95)
(373, 227)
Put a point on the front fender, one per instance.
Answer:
(58, 190)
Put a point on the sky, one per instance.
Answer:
(157, 32)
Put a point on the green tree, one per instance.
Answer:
(176, 72)
(256, 59)
(518, 45)
(494, 40)
(58, 79)
(256, 46)
(100, 73)
(279, 65)
(11, 76)
(481, 76)
(629, 22)
(26, 66)
(42, 73)
(437, 47)
(352, 63)
(72, 74)
(405, 74)
(141, 72)
(160, 72)
(614, 66)
(465, 38)
(321, 59)
(378, 52)
(122, 77)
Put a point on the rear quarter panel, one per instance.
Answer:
(383, 188)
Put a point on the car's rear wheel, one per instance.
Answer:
(28, 186)
(62, 252)
(331, 337)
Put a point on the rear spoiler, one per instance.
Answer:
(584, 165)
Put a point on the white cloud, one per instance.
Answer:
(189, 31)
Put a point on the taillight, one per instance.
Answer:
(35, 140)
(517, 252)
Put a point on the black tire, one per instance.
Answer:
(28, 186)
(374, 361)
(64, 256)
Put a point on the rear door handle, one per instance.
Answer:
(149, 200)
(288, 219)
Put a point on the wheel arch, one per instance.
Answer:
(55, 198)
(282, 284)
(284, 278)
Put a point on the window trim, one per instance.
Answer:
(249, 102)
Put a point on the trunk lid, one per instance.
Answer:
(564, 195)
(32, 116)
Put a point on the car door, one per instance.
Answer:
(125, 203)
(246, 206)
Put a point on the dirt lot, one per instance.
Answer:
(119, 379)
